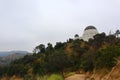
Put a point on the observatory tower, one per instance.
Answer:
(89, 32)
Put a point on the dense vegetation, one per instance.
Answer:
(72, 55)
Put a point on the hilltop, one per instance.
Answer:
(78, 56)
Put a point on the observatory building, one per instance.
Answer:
(89, 32)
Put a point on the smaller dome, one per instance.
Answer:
(89, 27)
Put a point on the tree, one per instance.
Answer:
(98, 39)
(105, 58)
(39, 49)
(87, 62)
(17, 69)
(59, 45)
(57, 61)
(49, 49)
(117, 33)
(76, 36)
(79, 47)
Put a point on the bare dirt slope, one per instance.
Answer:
(76, 77)
(114, 74)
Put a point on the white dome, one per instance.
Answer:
(89, 32)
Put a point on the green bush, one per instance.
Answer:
(27, 77)
(42, 77)
(55, 77)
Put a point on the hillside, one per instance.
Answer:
(114, 74)
(94, 58)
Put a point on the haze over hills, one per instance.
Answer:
(6, 53)
(7, 57)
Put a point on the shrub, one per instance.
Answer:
(55, 77)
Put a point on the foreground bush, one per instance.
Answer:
(55, 77)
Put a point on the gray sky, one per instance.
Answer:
(26, 23)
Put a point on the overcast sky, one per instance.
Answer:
(26, 23)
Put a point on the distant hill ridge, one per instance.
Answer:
(6, 53)
(7, 57)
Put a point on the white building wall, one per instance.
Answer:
(89, 34)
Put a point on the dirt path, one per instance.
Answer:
(76, 77)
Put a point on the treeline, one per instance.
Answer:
(73, 55)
